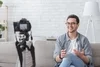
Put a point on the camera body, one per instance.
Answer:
(22, 26)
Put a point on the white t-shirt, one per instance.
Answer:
(73, 45)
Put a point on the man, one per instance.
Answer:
(73, 49)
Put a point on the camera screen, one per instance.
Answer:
(23, 26)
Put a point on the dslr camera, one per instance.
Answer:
(22, 26)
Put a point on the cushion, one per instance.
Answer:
(8, 54)
(96, 53)
(44, 53)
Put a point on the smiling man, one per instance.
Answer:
(73, 49)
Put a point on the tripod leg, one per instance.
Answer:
(19, 54)
(93, 32)
(87, 28)
(32, 50)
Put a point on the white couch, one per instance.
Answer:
(44, 53)
(8, 54)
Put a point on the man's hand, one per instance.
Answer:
(79, 54)
(63, 53)
(82, 55)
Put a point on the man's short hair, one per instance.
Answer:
(74, 16)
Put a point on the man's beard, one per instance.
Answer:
(72, 31)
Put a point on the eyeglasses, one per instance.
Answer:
(70, 23)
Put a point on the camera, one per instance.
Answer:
(22, 26)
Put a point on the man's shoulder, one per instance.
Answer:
(62, 36)
(82, 36)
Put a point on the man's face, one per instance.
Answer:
(72, 25)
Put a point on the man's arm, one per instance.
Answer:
(86, 53)
(57, 51)
(88, 50)
(85, 59)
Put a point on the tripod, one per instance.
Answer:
(25, 47)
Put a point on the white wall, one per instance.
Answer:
(48, 16)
